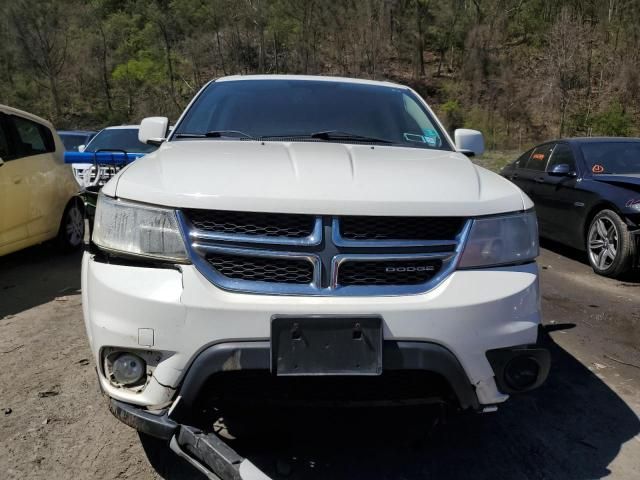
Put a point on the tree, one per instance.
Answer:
(42, 35)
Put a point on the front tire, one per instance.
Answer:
(71, 233)
(610, 247)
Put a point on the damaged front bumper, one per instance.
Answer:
(206, 452)
(209, 454)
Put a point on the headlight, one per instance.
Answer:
(501, 240)
(134, 229)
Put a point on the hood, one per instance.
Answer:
(314, 178)
(631, 180)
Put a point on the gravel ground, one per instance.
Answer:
(583, 424)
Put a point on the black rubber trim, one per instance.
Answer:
(223, 357)
(434, 358)
(500, 357)
(256, 356)
(156, 425)
(226, 357)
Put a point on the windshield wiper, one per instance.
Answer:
(216, 134)
(338, 135)
(329, 135)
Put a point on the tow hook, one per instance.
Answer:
(211, 456)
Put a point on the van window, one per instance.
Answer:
(33, 138)
(271, 110)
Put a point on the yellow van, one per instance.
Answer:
(38, 193)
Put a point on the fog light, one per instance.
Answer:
(521, 372)
(128, 369)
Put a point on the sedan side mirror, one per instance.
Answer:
(153, 130)
(561, 170)
(81, 148)
(469, 142)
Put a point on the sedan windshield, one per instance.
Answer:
(72, 141)
(312, 110)
(119, 139)
(612, 157)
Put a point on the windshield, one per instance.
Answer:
(72, 141)
(612, 157)
(119, 139)
(338, 111)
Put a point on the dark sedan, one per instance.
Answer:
(587, 195)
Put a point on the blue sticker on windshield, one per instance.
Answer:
(431, 136)
(414, 137)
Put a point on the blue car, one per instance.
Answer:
(72, 139)
(121, 142)
(587, 196)
(107, 152)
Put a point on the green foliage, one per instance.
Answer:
(452, 115)
(614, 122)
(139, 72)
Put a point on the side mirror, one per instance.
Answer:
(469, 142)
(153, 130)
(561, 170)
(1, 162)
(81, 148)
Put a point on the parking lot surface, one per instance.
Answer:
(582, 424)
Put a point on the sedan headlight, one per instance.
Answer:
(136, 229)
(501, 240)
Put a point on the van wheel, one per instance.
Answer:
(71, 233)
(609, 244)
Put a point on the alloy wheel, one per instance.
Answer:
(75, 226)
(603, 243)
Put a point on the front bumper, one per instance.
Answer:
(215, 459)
(178, 314)
(206, 452)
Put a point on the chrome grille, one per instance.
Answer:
(263, 269)
(400, 228)
(282, 254)
(387, 272)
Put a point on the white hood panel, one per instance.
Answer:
(315, 178)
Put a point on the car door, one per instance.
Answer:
(14, 198)
(38, 176)
(529, 177)
(557, 197)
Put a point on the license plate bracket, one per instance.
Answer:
(326, 345)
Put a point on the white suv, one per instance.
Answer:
(292, 228)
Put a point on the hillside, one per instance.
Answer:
(520, 70)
